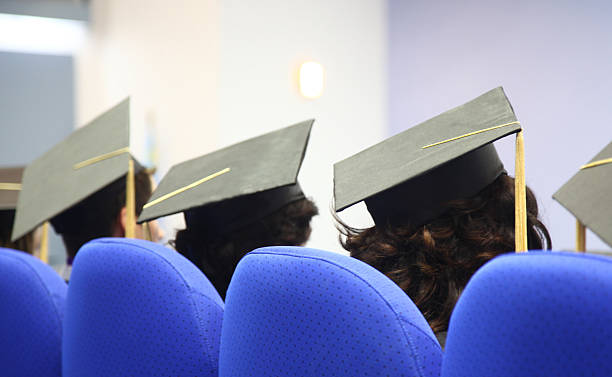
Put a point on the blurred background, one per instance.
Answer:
(205, 74)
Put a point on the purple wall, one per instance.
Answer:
(553, 58)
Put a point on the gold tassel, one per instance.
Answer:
(130, 202)
(101, 157)
(580, 237)
(10, 186)
(44, 243)
(147, 231)
(593, 164)
(471, 134)
(520, 201)
(185, 188)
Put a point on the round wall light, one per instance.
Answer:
(312, 77)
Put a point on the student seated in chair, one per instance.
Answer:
(88, 186)
(442, 204)
(104, 214)
(10, 185)
(237, 199)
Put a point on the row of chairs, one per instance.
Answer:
(135, 308)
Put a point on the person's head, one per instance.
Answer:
(79, 184)
(10, 185)
(237, 199)
(28, 243)
(433, 262)
(102, 214)
(217, 253)
(441, 201)
(582, 196)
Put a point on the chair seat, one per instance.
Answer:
(534, 314)
(294, 311)
(136, 308)
(31, 313)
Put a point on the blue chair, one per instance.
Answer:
(534, 314)
(135, 308)
(31, 312)
(294, 311)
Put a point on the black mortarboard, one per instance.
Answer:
(236, 185)
(88, 160)
(587, 196)
(10, 185)
(409, 177)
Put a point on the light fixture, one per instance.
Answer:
(40, 35)
(312, 77)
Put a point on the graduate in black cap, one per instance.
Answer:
(442, 203)
(587, 196)
(237, 199)
(10, 185)
(88, 186)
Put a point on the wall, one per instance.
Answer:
(163, 55)
(214, 73)
(553, 59)
(261, 49)
(36, 103)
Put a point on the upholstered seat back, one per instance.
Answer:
(136, 308)
(535, 314)
(31, 313)
(294, 311)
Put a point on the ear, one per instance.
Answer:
(120, 221)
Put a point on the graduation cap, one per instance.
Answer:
(10, 185)
(586, 196)
(409, 177)
(88, 160)
(229, 188)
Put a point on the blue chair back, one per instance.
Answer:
(294, 311)
(534, 314)
(136, 308)
(31, 313)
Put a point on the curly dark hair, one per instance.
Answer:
(432, 263)
(217, 255)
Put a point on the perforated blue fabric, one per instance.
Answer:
(31, 312)
(540, 314)
(136, 308)
(293, 311)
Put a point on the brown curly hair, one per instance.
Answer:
(432, 263)
(217, 255)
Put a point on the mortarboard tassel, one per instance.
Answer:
(44, 243)
(130, 202)
(147, 231)
(580, 236)
(10, 186)
(185, 188)
(520, 201)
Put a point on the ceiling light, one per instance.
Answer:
(41, 35)
(312, 77)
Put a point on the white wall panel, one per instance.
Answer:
(261, 49)
(205, 74)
